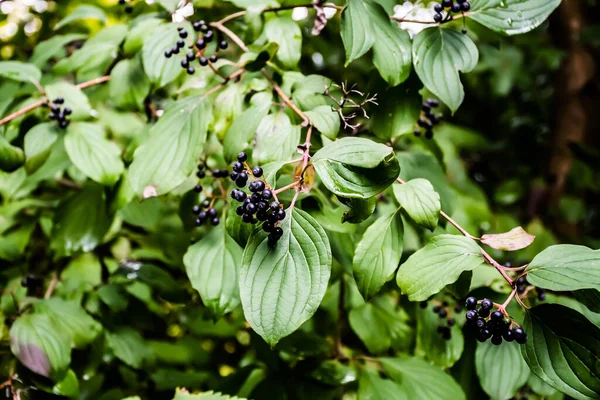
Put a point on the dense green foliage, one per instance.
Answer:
(394, 246)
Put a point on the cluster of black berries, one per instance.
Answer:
(60, 114)
(451, 7)
(197, 49)
(204, 211)
(522, 285)
(492, 324)
(427, 119)
(128, 7)
(258, 205)
(444, 311)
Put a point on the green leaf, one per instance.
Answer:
(68, 387)
(391, 47)
(74, 98)
(154, 276)
(420, 380)
(501, 369)
(241, 133)
(80, 221)
(276, 139)
(565, 267)
(357, 30)
(415, 164)
(286, 33)
(421, 202)
(257, 57)
(512, 17)
(160, 70)
(211, 265)
(227, 106)
(182, 394)
(37, 145)
(128, 84)
(237, 229)
(372, 387)
(11, 157)
(563, 350)
(169, 155)
(95, 156)
(84, 11)
(135, 38)
(431, 345)
(438, 56)
(20, 71)
(37, 344)
(358, 209)
(396, 115)
(355, 167)
(53, 48)
(590, 298)
(436, 265)
(378, 254)
(281, 286)
(96, 55)
(72, 321)
(515, 239)
(128, 346)
(326, 120)
(380, 326)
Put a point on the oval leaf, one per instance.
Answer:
(356, 167)
(391, 48)
(84, 11)
(286, 33)
(20, 71)
(95, 156)
(281, 286)
(276, 139)
(438, 55)
(170, 154)
(211, 265)
(563, 349)
(515, 239)
(420, 200)
(71, 320)
(420, 380)
(372, 387)
(326, 120)
(128, 84)
(36, 342)
(565, 267)
(11, 157)
(512, 17)
(501, 369)
(38, 143)
(357, 30)
(160, 70)
(241, 133)
(436, 265)
(378, 253)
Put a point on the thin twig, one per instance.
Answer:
(275, 9)
(51, 286)
(486, 256)
(44, 100)
(287, 187)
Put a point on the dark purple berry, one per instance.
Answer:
(183, 34)
(465, 6)
(200, 44)
(480, 323)
(437, 17)
(223, 44)
(180, 44)
(234, 175)
(508, 335)
(242, 157)
(486, 304)
(456, 7)
(196, 209)
(212, 59)
(211, 212)
(168, 53)
(281, 214)
(215, 221)
(471, 303)
(257, 172)
(240, 210)
(483, 313)
(471, 315)
(443, 313)
(438, 8)
(237, 166)
(266, 194)
(251, 208)
(497, 340)
(267, 226)
(497, 316)
(198, 188)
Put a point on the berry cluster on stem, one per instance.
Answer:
(205, 211)
(495, 325)
(59, 113)
(260, 204)
(450, 7)
(198, 48)
(427, 118)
